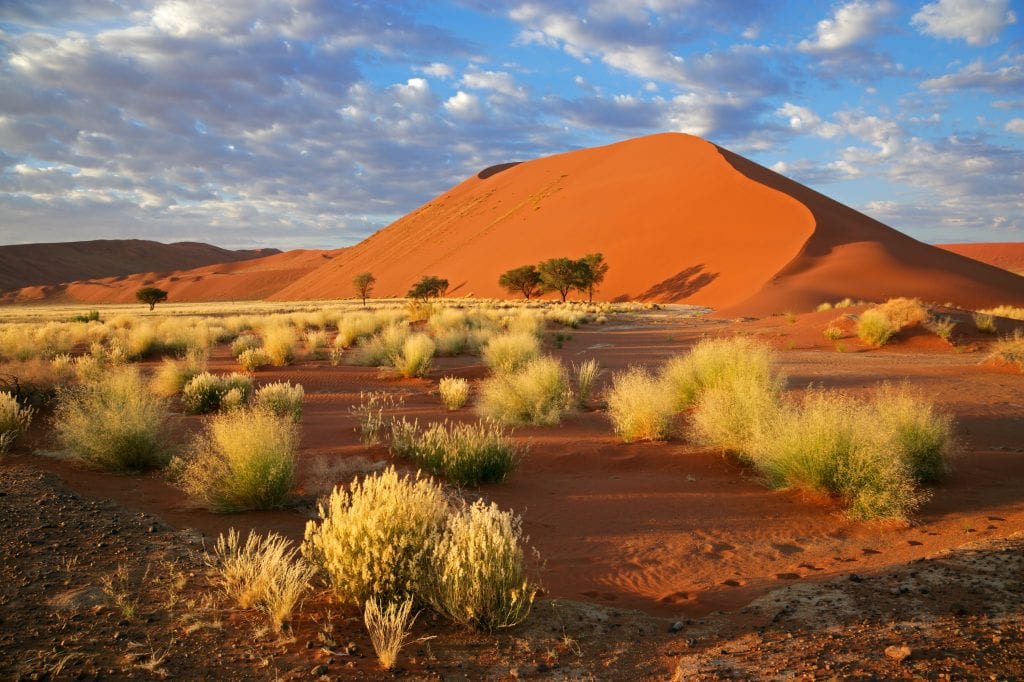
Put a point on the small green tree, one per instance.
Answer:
(364, 282)
(428, 287)
(560, 274)
(524, 279)
(592, 272)
(150, 295)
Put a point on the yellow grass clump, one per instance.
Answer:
(537, 393)
(508, 352)
(454, 392)
(389, 628)
(1009, 349)
(281, 399)
(641, 406)
(14, 420)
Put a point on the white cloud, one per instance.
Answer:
(851, 25)
(1000, 80)
(800, 118)
(499, 81)
(1015, 125)
(976, 21)
(464, 105)
(438, 70)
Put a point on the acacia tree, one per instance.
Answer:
(428, 287)
(560, 274)
(592, 272)
(524, 279)
(364, 282)
(150, 295)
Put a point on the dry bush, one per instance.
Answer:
(586, 373)
(1007, 311)
(315, 342)
(265, 573)
(281, 399)
(206, 392)
(452, 342)
(466, 454)
(114, 423)
(243, 343)
(374, 539)
(454, 392)
(640, 406)
(911, 429)
(252, 359)
(355, 326)
(35, 382)
(985, 323)
(381, 348)
(833, 331)
(244, 459)
(1009, 349)
(942, 327)
(389, 628)
(525, 322)
(479, 577)
(732, 415)
(370, 413)
(505, 353)
(279, 344)
(14, 420)
(538, 393)
(714, 363)
(173, 375)
(874, 328)
(415, 357)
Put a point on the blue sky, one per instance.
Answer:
(314, 123)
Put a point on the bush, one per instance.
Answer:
(243, 460)
(279, 343)
(1009, 349)
(904, 312)
(985, 323)
(253, 358)
(315, 342)
(389, 628)
(416, 356)
(281, 399)
(479, 577)
(508, 352)
(467, 454)
(206, 392)
(174, 375)
(243, 343)
(14, 420)
(381, 348)
(833, 332)
(374, 540)
(454, 392)
(586, 373)
(265, 573)
(874, 328)
(539, 393)
(714, 363)
(912, 430)
(641, 406)
(1005, 311)
(114, 423)
(942, 327)
(732, 416)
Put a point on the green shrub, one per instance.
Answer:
(640, 406)
(874, 328)
(282, 399)
(479, 577)
(415, 358)
(114, 423)
(506, 353)
(538, 393)
(466, 454)
(253, 358)
(243, 343)
(14, 420)
(912, 430)
(375, 539)
(715, 363)
(244, 459)
(205, 392)
(454, 392)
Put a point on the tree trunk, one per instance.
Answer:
(152, 305)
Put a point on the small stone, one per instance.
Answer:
(676, 626)
(854, 578)
(898, 653)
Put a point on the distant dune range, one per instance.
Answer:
(1005, 255)
(24, 265)
(678, 219)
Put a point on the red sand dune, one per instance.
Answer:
(24, 265)
(1005, 255)
(237, 281)
(678, 219)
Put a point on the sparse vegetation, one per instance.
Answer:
(1009, 349)
(244, 459)
(538, 393)
(243, 343)
(505, 353)
(942, 327)
(14, 420)
(279, 344)
(454, 392)
(641, 406)
(523, 280)
(714, 363)
(389, 628)
(382, 348)
(466, 454)
(114, 423)
(173, 375)
(985, 323)
(586, 373)
(252, 359)
(833, 331)
(281, 399)
(1006, 311)
(370, 413)
(479, 577)
(265, 573)
(206, 392)
(415, 357)
(874, 328)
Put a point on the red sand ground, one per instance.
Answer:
(678, 219)
(24, 265)
(1005, 255)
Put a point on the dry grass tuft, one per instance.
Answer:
(454, 392)
(466, 454)
(538, 393)
(281, 399)
(14, 420)
(506, 353)
(641, 406)
(389, 628)
(1009, 349)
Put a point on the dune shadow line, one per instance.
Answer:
(684, 283)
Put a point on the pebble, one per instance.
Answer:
(898, 653)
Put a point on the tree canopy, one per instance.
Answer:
(524, 280)
(428, 287)
(561, 275)
(150, 295)
(363, 283)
